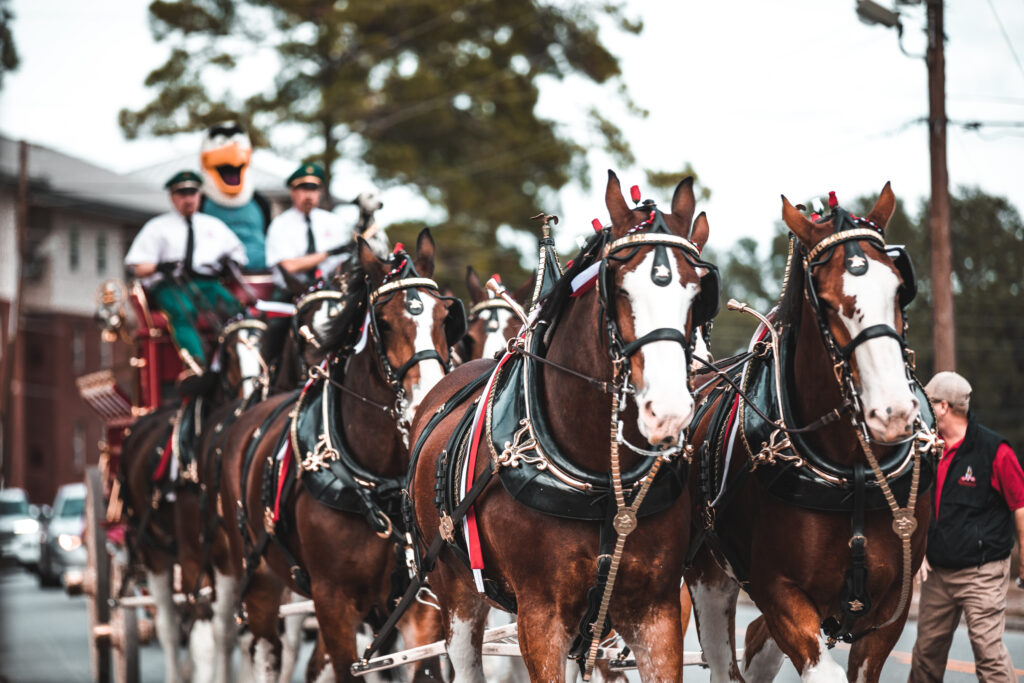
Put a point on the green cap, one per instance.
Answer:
(184, 180)
(307, 173)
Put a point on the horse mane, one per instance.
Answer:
(552, 306)
(344, 329)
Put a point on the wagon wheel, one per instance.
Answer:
(124, 627)
(96, 579)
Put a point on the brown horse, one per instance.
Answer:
(801, 519)
(492, 321)
(331, 532)
(159, 490)
(628, 336)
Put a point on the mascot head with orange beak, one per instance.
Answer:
(225, 158)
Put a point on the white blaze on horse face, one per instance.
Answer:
(430, 369)
(495, 339)
(890, 408)
(249, 367)
(665, 404)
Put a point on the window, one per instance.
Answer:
(78, 447)
(77, 350)
(106, 354)
(74, 248)
(101, 253)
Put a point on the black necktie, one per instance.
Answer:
(190, 246)
(310, 241)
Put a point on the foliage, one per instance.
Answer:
(9, 58)
(437, 94)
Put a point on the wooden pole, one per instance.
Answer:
(9, 393)
(943, 331)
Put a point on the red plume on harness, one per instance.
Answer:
(596, 223)
(832, 201)
(634, 193)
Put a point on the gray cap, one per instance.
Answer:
(951, 388)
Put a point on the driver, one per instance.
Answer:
(178, 256)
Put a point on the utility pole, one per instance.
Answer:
(10, 377)
(943, 323)
(943, 330)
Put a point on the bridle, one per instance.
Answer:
(229, 330)
(849, 232)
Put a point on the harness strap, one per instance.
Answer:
(867, 333)
(426, 564)
(660, 334)
(211, 522)
(854, 600)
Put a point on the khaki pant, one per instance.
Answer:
(977, 593)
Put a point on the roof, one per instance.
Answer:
(60, 180)
(267, 180)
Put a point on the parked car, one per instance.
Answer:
(19, 529)
(60, 541)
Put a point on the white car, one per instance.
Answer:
(60, 541)
(19, 529)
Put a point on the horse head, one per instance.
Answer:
(412, 325)
(239, 356)
(658, 292)
(491, 320)
(859, 289)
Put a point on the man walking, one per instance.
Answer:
(977, 510)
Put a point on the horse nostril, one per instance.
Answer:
(649, 408)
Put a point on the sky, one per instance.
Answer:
(762, 98)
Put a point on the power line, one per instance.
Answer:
(1006, 37)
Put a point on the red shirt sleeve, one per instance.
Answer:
(1008, 477)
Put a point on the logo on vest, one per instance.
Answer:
(968, 478)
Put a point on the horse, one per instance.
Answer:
(329, 464)
(821, 513)
(160, 485)
(491, 320)
(549, 542)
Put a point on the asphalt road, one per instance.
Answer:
(42, 639)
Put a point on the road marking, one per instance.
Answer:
(956, 665)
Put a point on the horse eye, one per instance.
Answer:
(383, 325)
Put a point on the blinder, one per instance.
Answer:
(905, 267)
(704, 306)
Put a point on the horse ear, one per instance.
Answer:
(618, 210)
(884, 208)
(806, 230)
(684, 201)
(524, 292)
(425, 254)
(701, 230)
(372, 266)
(476, 290)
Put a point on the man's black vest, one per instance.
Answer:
(974, 525)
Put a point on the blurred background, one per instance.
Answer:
(469, 117)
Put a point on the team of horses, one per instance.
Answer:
(566, 453)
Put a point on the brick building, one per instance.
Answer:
(81, 220)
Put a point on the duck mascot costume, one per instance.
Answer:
(229, 193)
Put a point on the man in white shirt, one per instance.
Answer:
(178, 256)
(306, 239)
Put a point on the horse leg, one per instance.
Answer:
(762, 658)
(792, 617)
(868, 653)
(225, 630)
(262, 602)
(319, 669)
(292, 639)
(464, 616)
(544, 643)
(421, 625)
(339, 620)
(167, 628)
(714, 608)
(656, 640)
